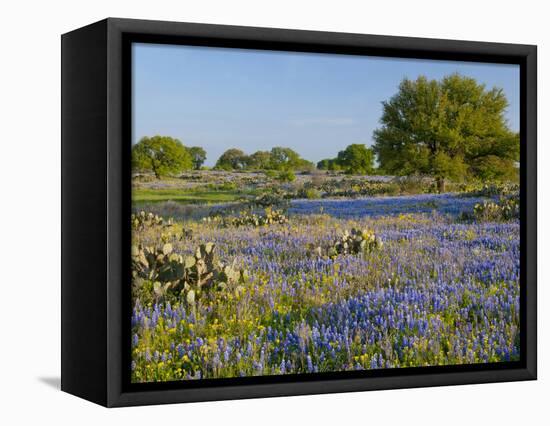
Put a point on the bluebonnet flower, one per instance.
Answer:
(309, 364)
(437, 286)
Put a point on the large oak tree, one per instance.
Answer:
(198, 156)
(356, 159)
(162, 155)
(287, 159)
(232, 159)
(449, 129)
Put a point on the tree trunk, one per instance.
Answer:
(441, 185)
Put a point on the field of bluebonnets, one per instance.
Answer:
(323, 275)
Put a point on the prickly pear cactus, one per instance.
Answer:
(356, 242)
(143, 220)
(275, 198)
(191, 276)
(507, 208)
(247, 218)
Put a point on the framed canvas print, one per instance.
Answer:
(253, 212)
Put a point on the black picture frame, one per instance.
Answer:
(96, 115)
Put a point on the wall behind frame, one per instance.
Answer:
(30, 82)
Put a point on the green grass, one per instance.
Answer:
(191, 197)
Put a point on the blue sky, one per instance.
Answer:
(316, 104)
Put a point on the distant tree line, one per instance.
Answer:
(164, 155)
(355, 159)
(451, 129)
(278, 159)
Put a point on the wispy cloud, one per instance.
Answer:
(323, 121)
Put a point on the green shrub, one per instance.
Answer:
(416, 185)
(226, 186)
(286, 176)
(274, 198)
(309, 193)
(352, 188)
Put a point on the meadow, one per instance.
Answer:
(240, 275)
